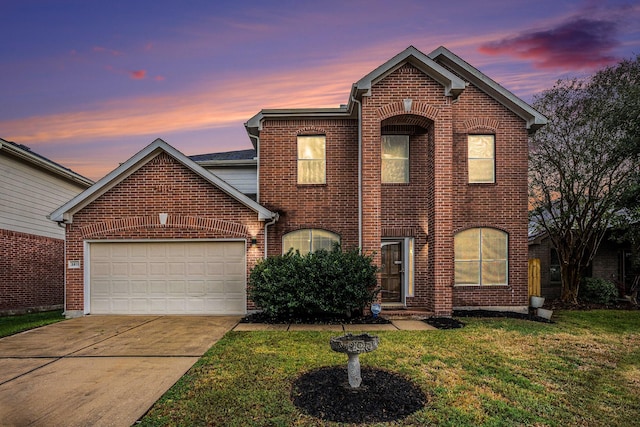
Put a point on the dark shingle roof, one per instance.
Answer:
(249, 154)
(26, 149)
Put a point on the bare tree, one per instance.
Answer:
(583, 162)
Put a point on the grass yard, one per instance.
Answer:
(10, 325)
(584, 370)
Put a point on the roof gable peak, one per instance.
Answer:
(453, 85)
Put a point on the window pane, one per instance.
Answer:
(467, 245)
(494, 245)
(494, 272)
(321, 239)
(481, 170)
(298, 241)
(311, 171)
(467, 273)
(481, 158)
(309, 240)
(395, 146)
(311, 159)
(480, 146)
(311, 147)
(395, 158)
(395, 171)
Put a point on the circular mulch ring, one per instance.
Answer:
(383, 396)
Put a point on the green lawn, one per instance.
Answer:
(10, 325)
(583, 370)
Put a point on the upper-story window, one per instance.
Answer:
(481, 158)
(481, 257)
(309, 240)
(312, 162)
(395, 159)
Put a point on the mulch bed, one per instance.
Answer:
(383, 396)
(509, 314)
(318, 319)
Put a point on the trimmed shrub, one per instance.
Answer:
(598, 291)
(320, 283)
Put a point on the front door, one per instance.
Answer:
(392, 271)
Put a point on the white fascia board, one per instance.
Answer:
(453, 85)
(534, 119)
(66, 211)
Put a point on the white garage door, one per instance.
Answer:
(187, 277)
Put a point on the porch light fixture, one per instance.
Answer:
(254, 242)
(407, 104)
(163, 218)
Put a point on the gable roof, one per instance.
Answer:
(38, 161)
(436, 65)
(66, 211)
(453, 85)
(534, 119)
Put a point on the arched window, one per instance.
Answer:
(481, 257)
(309, 240)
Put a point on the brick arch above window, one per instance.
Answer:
(480, 125)
(226, 228)
(480, 225)
(311, 130)
(420, 110)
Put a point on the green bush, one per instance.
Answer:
(332, 282)
(598, 291)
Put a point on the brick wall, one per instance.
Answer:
(502, 205)
(332, 206)
(31, 272)
(196, 209)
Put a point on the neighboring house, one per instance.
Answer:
(425, 167)
(612, 262)
(31, 246)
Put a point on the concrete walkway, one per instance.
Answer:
(99, 370)
(402, 325)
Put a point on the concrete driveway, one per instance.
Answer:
(99, 370)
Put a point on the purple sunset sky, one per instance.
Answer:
(89, 83)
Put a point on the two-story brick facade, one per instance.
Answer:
(425, 166)
(397, 180)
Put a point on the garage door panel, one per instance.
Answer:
(157, 269)
(176, 287)
(139, 287)
(188, 277)
(157, 287)
(138, 269)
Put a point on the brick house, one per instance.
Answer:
(425, 166)
(31, 246)
(612, 262)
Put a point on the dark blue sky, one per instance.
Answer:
(89, 83)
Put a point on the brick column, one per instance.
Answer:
(441, 256)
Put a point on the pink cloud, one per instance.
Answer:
(138, 74)
(577, 44)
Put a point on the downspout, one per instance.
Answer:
(266, 225)
(359, 171)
